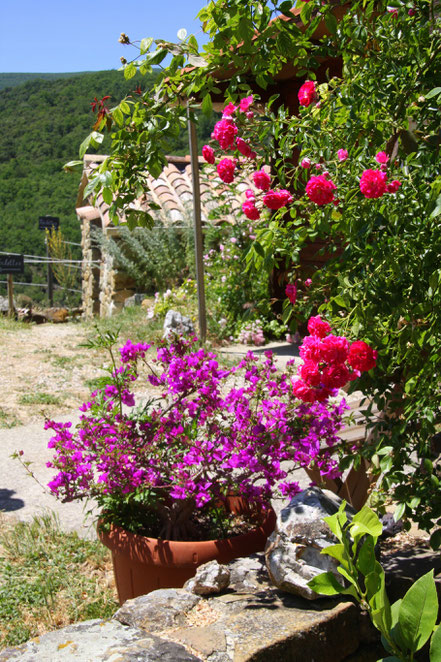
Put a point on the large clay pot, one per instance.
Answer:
(144, 564)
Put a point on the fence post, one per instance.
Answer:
(11, 310)
(50, 280)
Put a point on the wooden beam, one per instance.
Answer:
(197, 219)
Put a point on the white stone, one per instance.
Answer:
(210, 578)
(293, 552)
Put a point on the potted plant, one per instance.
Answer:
(197, 462)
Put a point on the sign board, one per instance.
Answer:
(11, 264)
(48, 223)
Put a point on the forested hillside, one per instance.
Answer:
(13, 79)
(43, 124)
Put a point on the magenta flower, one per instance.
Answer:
(320, 190)
(250, 210)
(277, 199)
(262, 180)
(307, 93)
(225, 170)
(305, 163)
(393, 186)
(208, 154)
(381, 157)
(373, 183)
(342, 154)
(291, 293)
(246, 103)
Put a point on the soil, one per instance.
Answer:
(45, 371)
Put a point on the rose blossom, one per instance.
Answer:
(308, 282)
(291, 292)
(225, 170)
(307, 93)
(361, 356)
(208, 154)
(224, 132)
(250, 210)
(246, 103)
(342, 154)
(229, 110)
(393, 186)
(320, 190)
(336, 376)
(318, 327)
(310, 373)
(335, 349)
(277, 199)
(262, 180)
(373, 183)
(306, 163)
(381, 157)
(245, 149)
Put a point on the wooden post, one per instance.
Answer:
(11, 309)
(198, 238)
(50, 280)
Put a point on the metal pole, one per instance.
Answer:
(198, 238)
(50, 281)
(11, 310)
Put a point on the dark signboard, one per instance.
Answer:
(48, 223)
(11, 264)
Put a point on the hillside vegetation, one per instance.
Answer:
(44, 122)
(13, 79)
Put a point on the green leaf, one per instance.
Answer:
(366, 522)
(331, 23)
(125, 108)
(197, 60)
(145, 44)
(107, 195)
(366, 560)
(418, 612)
(129, 71)
(435, 646)
(207, 106)
(335, 551)
(118, 116)
(433, 93)
(73, 165)
(326, 584)
(337, 521)
(435, 539)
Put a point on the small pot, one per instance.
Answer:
(143, 564)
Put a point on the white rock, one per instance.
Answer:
(292, 552)
(210, 578)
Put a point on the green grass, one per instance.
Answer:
(49, 579)
(65, 362)
(7, 420)
(130, 323)
(39, 398)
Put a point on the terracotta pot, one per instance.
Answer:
(144, 564)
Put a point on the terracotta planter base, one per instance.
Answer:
(144, 564)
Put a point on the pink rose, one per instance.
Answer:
(262, 180)
(393, 186)
(244, 148)
(373, 183)
(310, 373)
(311, 349)
(250, 210)
(208, 154)
(381, 157)
(342, 154)
(246, 103)
(303, 392)
(291, 292)
(306, 163)
(225, 170)
(361, 356)
(277, 199)
(229, 110)
(308, 282)
(318, 327)
(249, 194)
(320, 190)
(335, 349)
(336, 376)
(224, 132)
(307, 93)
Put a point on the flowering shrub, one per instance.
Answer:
(210, 433)
(251, 333)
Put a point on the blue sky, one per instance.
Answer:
(82, 35)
